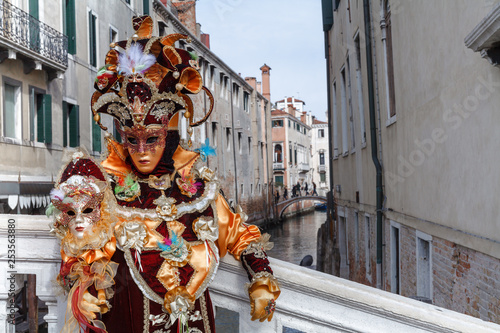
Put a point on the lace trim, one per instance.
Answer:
(146, 315)
(259, 247)
(204, 314)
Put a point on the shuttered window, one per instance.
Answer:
(92, 39)
(70, 25)
(40, 116)
(96, 135)
(145, 7)
(71, 125)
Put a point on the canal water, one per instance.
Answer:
(296, 237)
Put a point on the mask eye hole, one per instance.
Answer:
(88, 210)
(132, 140)
(71, 213)
(151, 139)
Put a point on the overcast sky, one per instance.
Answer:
(287, 35)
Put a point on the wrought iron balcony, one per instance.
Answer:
(21, 32)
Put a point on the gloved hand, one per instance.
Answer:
(262, 303)
(92, 305)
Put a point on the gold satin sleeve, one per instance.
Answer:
(234, 235)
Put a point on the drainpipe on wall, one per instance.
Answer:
(373, 134)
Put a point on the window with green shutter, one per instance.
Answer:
(71, 125)
(145, 6)
(92, 39)
(70, 25)
(40, 116)
(47, 118)
(96, 135)
(116, 133)
(74, 125)
(65, 123)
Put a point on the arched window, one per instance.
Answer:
(278, 154)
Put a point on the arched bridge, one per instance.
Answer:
(281, 206)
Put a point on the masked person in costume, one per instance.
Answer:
(80, 204)
(174, 224)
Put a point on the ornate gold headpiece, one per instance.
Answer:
(146, 80)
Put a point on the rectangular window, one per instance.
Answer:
(246, 99)
(289, 123)
(343, 103)
(40, 116)
(71, 125)
(145, 7)
(113, 35)
(249, 146)
(240, 143)
(12, 110)
(424, 264)
(290, 155)
(395, 258)
(96, 135)
(368, 247)
(162, 28)
(277, 123)
(236, 95)
(321, 158)
(390, 62)
(343, 242)
(228, 139)
(70, 25)
(214, 134)
(321, 133)
(92, 39)
(322, 177)
(349, 104)
(278, 180)
(359, 88)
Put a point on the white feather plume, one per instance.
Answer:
(134, 61)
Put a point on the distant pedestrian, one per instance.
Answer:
(294, 191)
(314, 189)
(277, 196)
(285, 194)
(298, 189)
(306, 189)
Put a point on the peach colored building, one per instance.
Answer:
(291, 145)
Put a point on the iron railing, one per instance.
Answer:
(26, 31)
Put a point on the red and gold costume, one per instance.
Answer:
(172, 222)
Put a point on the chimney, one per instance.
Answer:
(205, 39)
(266, 84)
(252, 82)
(187, 14)
(259, 87)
